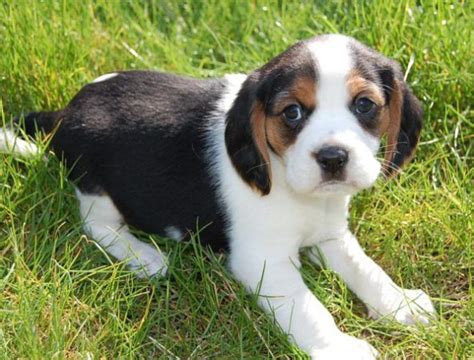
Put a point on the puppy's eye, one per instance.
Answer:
(293, 114)
(364, 105)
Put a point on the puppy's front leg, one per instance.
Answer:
(272, 272)
(372, 285)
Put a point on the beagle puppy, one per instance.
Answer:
(265, 164)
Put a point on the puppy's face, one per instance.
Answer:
(320, 109)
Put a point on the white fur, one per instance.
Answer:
(267, 232)
(103, 222)
(104, 77)
(174, 233)
(11, 143)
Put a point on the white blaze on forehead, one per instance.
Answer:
(104, 77)
(333, 63)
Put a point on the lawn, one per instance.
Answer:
(63, 297)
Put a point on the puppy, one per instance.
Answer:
(265, 163)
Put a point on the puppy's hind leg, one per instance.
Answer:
(104, 223)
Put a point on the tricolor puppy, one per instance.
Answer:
(266, 163)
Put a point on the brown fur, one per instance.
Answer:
(390, 116)
(359, 86)
(279, 135)
(304, 90)
(258, 120)
(393, 127)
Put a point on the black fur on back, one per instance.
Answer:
(140, 138)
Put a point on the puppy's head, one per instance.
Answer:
(320, 110)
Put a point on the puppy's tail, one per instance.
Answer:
(17, 139)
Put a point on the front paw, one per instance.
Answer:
(409, 307)
(345, 347)
(147, 261)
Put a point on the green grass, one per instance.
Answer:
(62, 297)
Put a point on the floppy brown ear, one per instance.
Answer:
(245, 138)
(403, 133)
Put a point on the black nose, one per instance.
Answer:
(332, 158)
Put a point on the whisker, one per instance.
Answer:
(399, 142)
(387, 87)
(258, 166)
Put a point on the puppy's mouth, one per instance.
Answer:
(336, 186)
